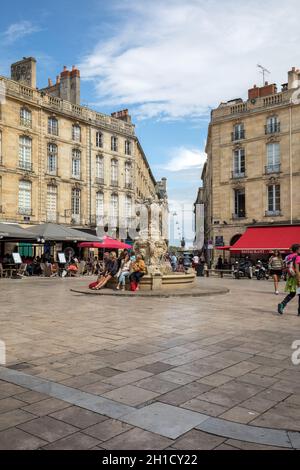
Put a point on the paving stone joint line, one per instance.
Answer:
(149, 417)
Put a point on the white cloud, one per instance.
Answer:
(174, 59)
(185, 159)
(19, 30)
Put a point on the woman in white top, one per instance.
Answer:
(123, 272)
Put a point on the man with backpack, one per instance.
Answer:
(292, 263)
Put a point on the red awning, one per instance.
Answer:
(223, 248)
(266, 239)
(107, 242)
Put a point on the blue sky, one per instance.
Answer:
(168, 61)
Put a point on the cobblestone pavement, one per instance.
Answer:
(99, 372)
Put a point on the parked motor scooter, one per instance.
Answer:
(261, 271)
(243, 268)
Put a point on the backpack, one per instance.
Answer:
(290, 266)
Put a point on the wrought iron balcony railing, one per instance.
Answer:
(272, 128)
(272, 168)
(27, 166)
(237, 135)
(238, 174)
(239, 215)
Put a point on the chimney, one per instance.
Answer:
(75, 85)
(260, 92)
(122, 115)
(293, 78)
(50, 82)
(253, 93)
(24, 71)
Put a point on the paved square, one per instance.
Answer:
(120, 373)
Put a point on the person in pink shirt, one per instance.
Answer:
(293, 278)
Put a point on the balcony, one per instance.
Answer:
(52, 171)
(52, 216)
(25, 211)
(99, 180)
(237, 135)
(25, 122)
(239, 215)
(275, 213)
(75, 219)
(26, 166)
(269, 169)
(114, 183)
(272, 128)
(238, 174)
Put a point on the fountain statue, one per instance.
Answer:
(152, 245)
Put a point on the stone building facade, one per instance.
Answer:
(64, 163)
(252, 173)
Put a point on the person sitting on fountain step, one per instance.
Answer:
(111, 270)
(138, 271)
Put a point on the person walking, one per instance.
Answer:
(275, 267)
(293, 278)
(138, 271)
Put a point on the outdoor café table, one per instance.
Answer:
(9, 269)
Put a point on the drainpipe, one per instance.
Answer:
(90, 174)
(291, 168)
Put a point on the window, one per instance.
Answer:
(76, 133)
(25, 117)
(273, 199)
(51, 203)
(238, 163)
(75, 204)
(114, 210)
(239, 204)
(114, 144)
(25, 197)
(25, 148)
(114, 172)
(127, 147)
(272, 126)
(0, 148)
(52, 159)
(100, 168)
(273, 158)
(128, 182)
(99, 139)
(238, 132)
(128, 209)
(52, 126)
(99, 207)
(76, 155)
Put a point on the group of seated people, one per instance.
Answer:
(126, 266)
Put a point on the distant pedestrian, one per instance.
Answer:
(174, 262)
(275, 267)
(293, 278)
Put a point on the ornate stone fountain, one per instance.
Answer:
(153, 247)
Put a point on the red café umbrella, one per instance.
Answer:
(108, 242)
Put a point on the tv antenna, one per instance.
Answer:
(263, 71)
